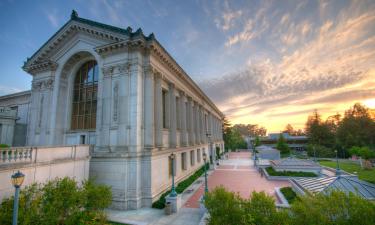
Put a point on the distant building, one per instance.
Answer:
(266, 152)
(297, 143)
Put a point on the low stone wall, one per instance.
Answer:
(269, 177)
(41, 164)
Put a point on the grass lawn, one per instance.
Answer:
(367, 175)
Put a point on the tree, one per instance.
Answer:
(282, 146)
(235, 140)
(257, 141)
(357, 128)
(319, 132)
(289, 129)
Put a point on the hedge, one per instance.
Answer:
(289, 194)
(273, 172)
(160, 204)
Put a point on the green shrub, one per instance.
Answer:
(60, 201)
(273, 172)
(332, 208)
(289, 194)
(230, 209)
(4, 146)
(160, 204)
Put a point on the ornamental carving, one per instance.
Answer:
(108, 71)
(115, 102)
(43, 85)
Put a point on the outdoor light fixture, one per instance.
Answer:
(173, 190)
(17, 180)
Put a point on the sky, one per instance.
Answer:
(261, 62)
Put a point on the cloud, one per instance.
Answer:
(5, 90)
(53, 18)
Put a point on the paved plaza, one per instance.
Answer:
(236, 173)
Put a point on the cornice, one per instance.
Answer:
(41, 67)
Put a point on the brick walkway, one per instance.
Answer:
(236, 174)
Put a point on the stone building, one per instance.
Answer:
(121, 92)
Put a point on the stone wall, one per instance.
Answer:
(41, 164)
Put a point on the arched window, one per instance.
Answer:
(85, 97)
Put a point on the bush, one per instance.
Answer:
(289, 194)
(226, 208)
(4, 146)
(60, 201)
(230, 209)
(160, 204)
(332, 208)
(273, 172)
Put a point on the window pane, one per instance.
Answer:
(84, 97)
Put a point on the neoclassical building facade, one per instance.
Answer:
(121, 92)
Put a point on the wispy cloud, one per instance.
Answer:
(4, 90)
(315, 63)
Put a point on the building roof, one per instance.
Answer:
(346, 183)
(266, 148)
(294, 163)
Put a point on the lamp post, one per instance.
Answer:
(338, 171)
(173, 191)
(205, 174)
(17, 180)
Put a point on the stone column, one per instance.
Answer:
(158, 111)
(183, 133)
(196, 123)
(189, 121)
(192, 121)
(172, 117)
(149, 108)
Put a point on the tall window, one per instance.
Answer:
(192, 158)
(85, 97)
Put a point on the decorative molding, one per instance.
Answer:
(41, 67)
(41, 111)
(108, 71)
(115, 101)
(43, 85)
(122, 68)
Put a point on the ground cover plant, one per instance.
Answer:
(289, 194)
(60, 201)
(273, 172)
